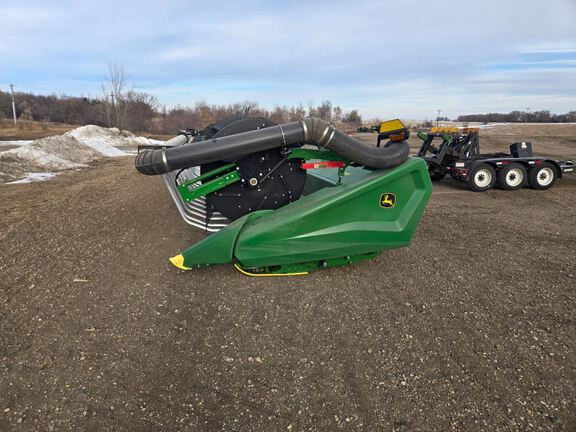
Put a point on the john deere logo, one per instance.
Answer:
(387, 200)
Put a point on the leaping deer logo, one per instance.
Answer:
(388, 200)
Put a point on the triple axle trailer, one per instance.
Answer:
(456, 152)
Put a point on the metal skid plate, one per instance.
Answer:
(193, 212)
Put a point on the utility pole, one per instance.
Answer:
(526, 116)
(115, 111)
(13, 103)
(438, 117)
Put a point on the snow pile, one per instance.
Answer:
(105, 140)
(40, 159)
(31, 177)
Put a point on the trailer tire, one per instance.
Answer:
(437, 175)
(512, 177)
(543, 176)
(482, 177)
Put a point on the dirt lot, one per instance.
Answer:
(471, 328)
(30, 130)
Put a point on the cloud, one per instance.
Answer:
(414, 55)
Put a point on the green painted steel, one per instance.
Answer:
(327, 177)
(313, 154)
(368, 212)
(306, 267)
(315, 180)
(210, 174)
(445, 136)
(218, 248)
(210, 186)
(340, 221)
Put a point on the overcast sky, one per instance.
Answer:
(387, 58)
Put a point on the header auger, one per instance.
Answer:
(290, 198)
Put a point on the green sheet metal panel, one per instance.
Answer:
(319, 178)
(370, 211)
(217, 248)
(339, 221)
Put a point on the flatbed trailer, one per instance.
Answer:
(456, 152)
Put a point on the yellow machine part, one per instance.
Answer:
(447, 129)
(391, 126)
(444, 129)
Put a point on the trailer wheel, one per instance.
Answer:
(512, 177)
(543, 176)
(482, 178)
(437, 175)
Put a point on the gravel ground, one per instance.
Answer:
(471, 328)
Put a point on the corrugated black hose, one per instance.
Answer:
(309, 131)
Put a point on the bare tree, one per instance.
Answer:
(353, 117)
(139, 110)
(297, 112)
(337, 113)
(250, 107)
(114, 88)
(204, 113)
(279, 114)
(324, 110)
(312, 112)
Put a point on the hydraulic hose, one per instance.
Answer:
(309, 131)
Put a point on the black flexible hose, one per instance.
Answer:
(321, 133)
(310, 131)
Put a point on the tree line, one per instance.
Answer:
(139, 111)
(543, 116)
(122, 107)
